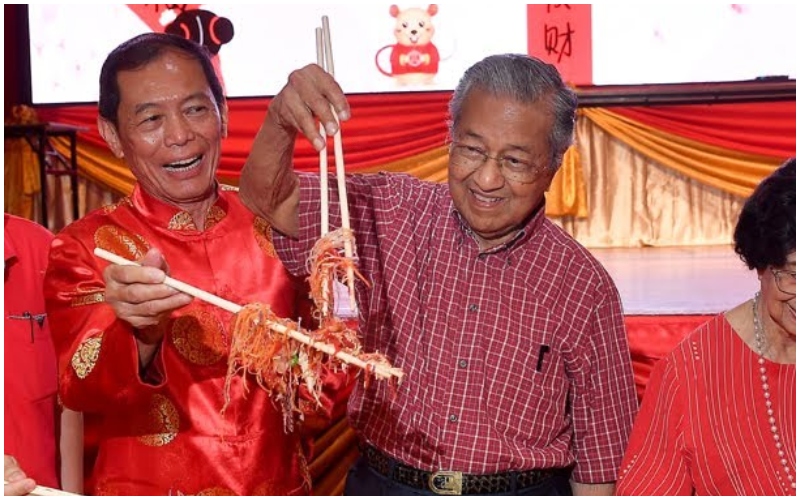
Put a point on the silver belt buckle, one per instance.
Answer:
(451, 482)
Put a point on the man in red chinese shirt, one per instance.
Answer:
(147, 362)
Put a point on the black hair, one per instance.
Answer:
(140, 50)
(765, 232)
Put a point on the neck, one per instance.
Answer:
(775, 344)
(199, 211)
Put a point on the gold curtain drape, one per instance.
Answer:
(736, 173)
(22, 178)
(635, 201)
(606, 194)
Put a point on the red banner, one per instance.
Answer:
(561, 34)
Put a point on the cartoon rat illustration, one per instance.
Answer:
(414, 58)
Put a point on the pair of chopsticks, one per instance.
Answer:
(325, 60)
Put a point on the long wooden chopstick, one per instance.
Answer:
(378, 370)
(323, 175)
(323, 154)
(338, 152)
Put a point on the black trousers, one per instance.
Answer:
(363, 480)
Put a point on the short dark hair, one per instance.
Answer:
(527, 80)
(140, 50)
(765, 232)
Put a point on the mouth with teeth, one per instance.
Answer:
(183, 165)
(484, 200)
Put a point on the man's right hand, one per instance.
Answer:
(268, 185)
(16, 482)
(307, 97)
(139, 296)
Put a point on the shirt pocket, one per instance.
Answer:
(30, 358)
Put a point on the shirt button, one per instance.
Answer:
(473, 307)
(462, 363)
(453, 417)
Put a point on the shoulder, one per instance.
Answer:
(704, 339)
(577, 260)
(26, 232)
(97, 218)
(402, 188)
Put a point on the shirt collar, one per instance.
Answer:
(531, 226)
(173, 218)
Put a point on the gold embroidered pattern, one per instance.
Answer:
(121, 242)
(215, 214)
(199, 337)
(85, 358)
(270, 488)
(88, 299)
(216, 491)
(181, 221)
(163, 422)
(263, 232)
(126, 201)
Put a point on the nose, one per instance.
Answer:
(178, 131)
(489, 175)
(413, 32)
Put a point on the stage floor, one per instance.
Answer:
(678, 280)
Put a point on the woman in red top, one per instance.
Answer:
(718, 417)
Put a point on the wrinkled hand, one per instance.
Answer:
(18, 482)
(309, 95)
(137, 295)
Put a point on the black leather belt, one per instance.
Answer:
(452, 482)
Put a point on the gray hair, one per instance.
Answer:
(526, 80)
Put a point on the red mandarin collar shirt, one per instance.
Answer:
(169, 437)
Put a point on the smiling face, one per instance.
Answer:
(169, 130)
(413, 27)
(781, 307)
(494, 207)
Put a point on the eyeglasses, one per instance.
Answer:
(513, 169)
(785, 281)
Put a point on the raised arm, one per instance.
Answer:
(268, 186)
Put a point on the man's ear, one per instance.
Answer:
(223, 114)
(109, 132)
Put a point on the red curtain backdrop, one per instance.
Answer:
(652, 337)
(389, 127)
(384, 128)
(763, 128)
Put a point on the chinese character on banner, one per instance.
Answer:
(561, 34)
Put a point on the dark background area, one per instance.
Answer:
(17, 56)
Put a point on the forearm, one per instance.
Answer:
(101, 365)
(268, 185)
(584, 489)
(71, 449)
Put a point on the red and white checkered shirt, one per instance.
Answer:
(514, 358)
